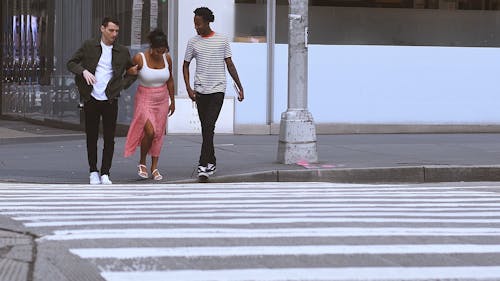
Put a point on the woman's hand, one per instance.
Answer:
(171, 108)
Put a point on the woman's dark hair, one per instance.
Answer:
(107, 20)
(205, 13)
(158, 39)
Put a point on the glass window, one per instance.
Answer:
(250, 21)
(137, 18)
(27, 55)
(250, 57)
(39, 37)
(470, 23)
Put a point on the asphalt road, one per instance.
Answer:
(264, 231)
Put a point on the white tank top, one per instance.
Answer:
(149, 77)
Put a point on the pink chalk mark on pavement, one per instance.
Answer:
(308, 165)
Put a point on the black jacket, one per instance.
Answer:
(87, 57)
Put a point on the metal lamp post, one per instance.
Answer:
(297, 139)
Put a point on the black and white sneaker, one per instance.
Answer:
(211, 169)
(202, 174)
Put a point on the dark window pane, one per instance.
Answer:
(470, 23)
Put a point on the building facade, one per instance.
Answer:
(374, 65)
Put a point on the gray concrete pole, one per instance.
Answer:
(173, 38)
(297, 139)
(3, 19)
(271, 42)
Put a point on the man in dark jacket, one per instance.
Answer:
(100, 67)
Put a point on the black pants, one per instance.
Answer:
(94, 110)
(209, 107)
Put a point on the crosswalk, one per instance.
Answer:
(268, 231)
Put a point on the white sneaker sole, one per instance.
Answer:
(203, 174)
(203, 177)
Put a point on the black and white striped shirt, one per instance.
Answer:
(209, 52)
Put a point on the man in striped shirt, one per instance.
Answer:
(212, 53)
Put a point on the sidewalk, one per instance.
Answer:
(37, 154)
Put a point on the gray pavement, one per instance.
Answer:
(32, 153)
(252, 231)
(38, 154)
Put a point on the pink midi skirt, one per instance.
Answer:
(149, 104)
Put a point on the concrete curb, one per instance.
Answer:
(23, 257)
(409, 174)
(56, 263)
(462, 173)
(17, 255)
(406, 174)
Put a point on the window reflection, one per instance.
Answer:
(26, 59)
(35, 48)
(250, 21)
(418, 4)
(465, 23)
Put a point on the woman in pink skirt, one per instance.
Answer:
(152, 106)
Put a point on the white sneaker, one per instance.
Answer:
(105, 180)
(202, 171)
(211, 169)
(94, 178)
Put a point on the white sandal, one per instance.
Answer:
(143, 174)
(156, 175)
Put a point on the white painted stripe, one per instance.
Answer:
(314, 274)
(256, 209)
(204, 195)
(268, 190)
(274, 214)
(167, 205)
(246, 221)
(193, 252)
(260, 187)
(150, 233)
(250, 185)
(241, 185)
(250, 201)
(180, 189)
(48, 194)
(132, 185)
(238, 188)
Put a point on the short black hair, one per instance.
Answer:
(107, 20)
(205, 13)
(158, 39)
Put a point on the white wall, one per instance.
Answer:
(250, 60)
(361, 83)
(186, 120)
(379, 84)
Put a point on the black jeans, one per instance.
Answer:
(94, 110)
(209, 107)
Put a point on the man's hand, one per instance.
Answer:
(239, 91)
(192, 94)
(241, 96)
(134, 70)
(89, 77)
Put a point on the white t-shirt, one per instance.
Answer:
(210, 54)
(103, 73)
